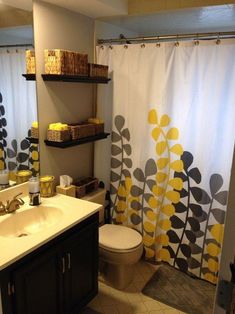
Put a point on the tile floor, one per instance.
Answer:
(131, 300)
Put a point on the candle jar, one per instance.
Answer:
(4, 179)
(34, 191)
(23, 176)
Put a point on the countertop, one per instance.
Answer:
(73, 211)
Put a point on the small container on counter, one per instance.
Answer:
(34, 191)
(4, 179)
(23, 176)
(47, 186)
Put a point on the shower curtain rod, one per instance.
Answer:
(202, 36)
(15, 46)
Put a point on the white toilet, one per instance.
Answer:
(119, 248)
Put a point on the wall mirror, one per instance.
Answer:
(18, 109)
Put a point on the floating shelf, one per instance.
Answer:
(77, 142)
(75, 78)
(30, 77)
(32, 140)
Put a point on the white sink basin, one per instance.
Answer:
(30, 221)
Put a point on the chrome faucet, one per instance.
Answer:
(11, 206)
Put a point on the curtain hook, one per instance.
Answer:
(158, 43)
(110, 47)
(218, 41)
(142, 45)
(177, 42)
(102, 47)
(126, 46)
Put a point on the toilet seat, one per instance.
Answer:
(121, 239)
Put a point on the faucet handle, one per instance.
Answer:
(19, 199)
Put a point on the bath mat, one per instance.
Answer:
(176, 289)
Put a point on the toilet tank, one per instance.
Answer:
(98, 197)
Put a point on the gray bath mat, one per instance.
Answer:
(176, 289)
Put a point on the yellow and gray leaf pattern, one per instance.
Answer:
(181, 222)
(15, 155)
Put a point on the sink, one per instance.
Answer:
(30, 221)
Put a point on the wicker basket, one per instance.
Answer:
(47, 186)
(98, 70)
(59, 61)
(81, 130)
(34, 132)
(80, 64)
(85, 185)
(58, 136)
(30, 61)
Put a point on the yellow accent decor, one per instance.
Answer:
(165, 224)
(165, 120)
(213, 249)
(162, 239)
(149, 227)
(176, 183)
(177, 165)
(173, 196)
(161, 147)
(164, 255)
(172, 134)
(152, 118)
(168, 210)
(218, 232)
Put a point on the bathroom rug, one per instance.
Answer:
(177, 289)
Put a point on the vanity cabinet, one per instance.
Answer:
(58, 278)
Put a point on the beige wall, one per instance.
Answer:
(151, 6)
(55, 27)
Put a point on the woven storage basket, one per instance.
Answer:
(58, 136)
(81, 130)
(59, 61)
(80, 64)
(34, 132)
(98, 70)
(85, 185)
(47, 186)
(99, 128)
(30, 61)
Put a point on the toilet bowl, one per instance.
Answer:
(120, 248)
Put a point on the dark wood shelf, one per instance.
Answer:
(30, 77)
(75, 78)
(77, 142)
(32, 140)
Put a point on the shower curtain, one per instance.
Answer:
(172, 145)
(18, 109)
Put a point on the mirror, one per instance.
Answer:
(18, 109)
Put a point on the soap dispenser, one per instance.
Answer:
(34, 192)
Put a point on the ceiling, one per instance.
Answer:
(196, 20)
(201, 19)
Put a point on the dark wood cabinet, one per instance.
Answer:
(58, 278)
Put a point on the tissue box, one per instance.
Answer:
(69, 190)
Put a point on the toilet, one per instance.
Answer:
(120, 248)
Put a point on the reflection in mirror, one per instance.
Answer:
(18, 111)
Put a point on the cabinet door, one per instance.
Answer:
(37, 285)
(81, 254)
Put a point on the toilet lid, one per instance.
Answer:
(118, 237)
